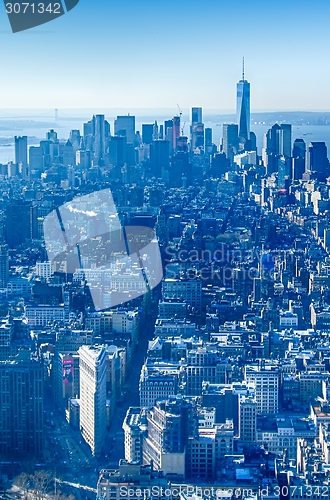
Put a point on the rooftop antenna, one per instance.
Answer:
(243, 71)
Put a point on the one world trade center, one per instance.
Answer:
(243, 108)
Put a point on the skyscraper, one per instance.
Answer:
(117, 151)
(196, 115)
(317, 161)
(4, 266)
(243, 108)
(285, 140)
(176, 131)
(299, 149)
(147, 132)
(69, 157)
(99, 146)
(229, 139)
(21, 154)
(299, 159)
(125, 125)
(208, 141)
(21, 401)
(18, 223)
(197, 136)
(92, 369)
(159, 157)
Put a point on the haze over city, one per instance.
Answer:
(154, 54)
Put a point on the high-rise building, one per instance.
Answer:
(92, 368)
(89, 128)
(135, 480)
(117, 150)
(66, 368)
(169, 424)
(299, 149)
(69, 157)
(243, 108)
(18, 223)
(197, 135)
(159, 157)
(298, 159)
(147, 132)
(36, 160)
(266, 381)
(51, 136)
(167, 124)
(230, 139)
(196, 115)
(208, 141)
(317, 162)
(155, 133)
(99, 145)
(4, 266)
(21, 154)
(21, 401)
(176, 131)
(286, 140)
(247, 419)
(125, 125)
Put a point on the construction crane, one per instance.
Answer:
(180, 114)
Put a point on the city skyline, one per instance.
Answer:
(118, 55)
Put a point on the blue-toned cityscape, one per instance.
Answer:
(165, 312)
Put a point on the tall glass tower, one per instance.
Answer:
(243, 108)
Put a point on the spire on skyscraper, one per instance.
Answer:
(243, 106)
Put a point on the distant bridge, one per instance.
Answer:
(48, 114)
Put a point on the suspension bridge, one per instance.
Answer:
(55, 115)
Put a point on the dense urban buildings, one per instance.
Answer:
(165, 307)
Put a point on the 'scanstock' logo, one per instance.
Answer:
(25, 15)
(85, 238)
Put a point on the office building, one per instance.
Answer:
(133, 426)
(21, 401)
(117, 151)
(4, 266)
(7, 348)
(99, 144)
(159, 157)
(18, 223)
(125, 126)
(92, 370)
(317, 162)
(243, 108)
(230, 140)
(66, 378)
(36, 160)
(196, 116)
(42, 315)
(206, 449)
(133, 481)
(197, 135)
(208, 141)
(69, 155)
(190, 291)
(299, 149)
(21, 151)
(285, 140)
(156, 385)
(247, 419)
(147, 133)
(169, 424)
(176, 131)
(265, 377)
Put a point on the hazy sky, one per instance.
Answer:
(157, 53)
